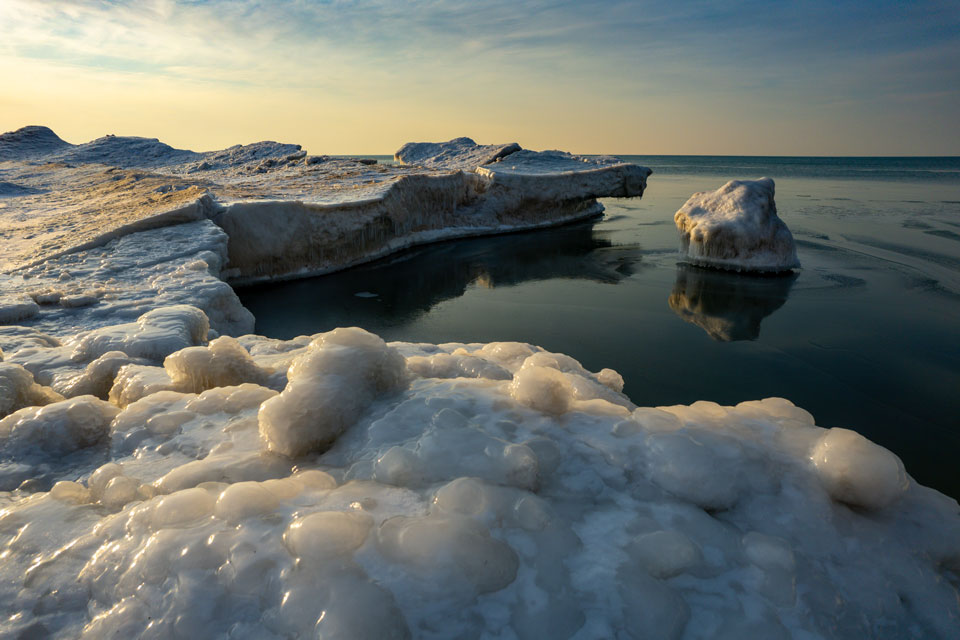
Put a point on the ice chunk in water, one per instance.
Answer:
(736, 227)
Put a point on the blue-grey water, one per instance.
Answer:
(865, 336)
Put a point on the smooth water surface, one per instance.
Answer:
(865, 336)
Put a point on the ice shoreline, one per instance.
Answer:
(336, 485)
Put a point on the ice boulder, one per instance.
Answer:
(736, 227)
(328, 388)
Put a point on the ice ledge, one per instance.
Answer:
(288, 214)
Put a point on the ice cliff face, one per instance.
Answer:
(100, 232)
(287, 214)
(736, 227)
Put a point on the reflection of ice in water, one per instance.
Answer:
(411, 284)
(728, 306)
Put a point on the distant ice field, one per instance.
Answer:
(865, 336)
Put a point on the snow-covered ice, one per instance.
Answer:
(736, 227)
(160, 478)
(461, 153)
(287, 213)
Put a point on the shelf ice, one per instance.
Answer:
(165, 473)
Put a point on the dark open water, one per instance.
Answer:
(866, 336)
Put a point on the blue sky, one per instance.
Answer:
(831, 78)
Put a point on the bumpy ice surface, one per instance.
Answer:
(736, 227)
(287, 213)
(160, 478)
(340, 487)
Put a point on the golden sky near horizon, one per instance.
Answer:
(591, 77)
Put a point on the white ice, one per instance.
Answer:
(456, 490)
(287, 213)
(736, 227)
(160, 478)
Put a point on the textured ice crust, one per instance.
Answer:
(287, 214)
(123, 279)
(736, 227)
(435, 491)
(159, 479)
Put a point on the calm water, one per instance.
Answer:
(866, 336)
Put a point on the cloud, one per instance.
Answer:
(500, 58)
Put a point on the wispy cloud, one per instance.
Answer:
(468, 56)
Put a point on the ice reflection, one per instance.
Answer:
(728, 306)
(396, 291)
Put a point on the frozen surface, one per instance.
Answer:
(287, 213)
(455, 490)
(736, 227)
(160, 478)
(123, 279)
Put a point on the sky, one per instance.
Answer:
(737, 77)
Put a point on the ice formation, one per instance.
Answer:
(736, 227)
(159, 479)
(433, 491)
(287, 213)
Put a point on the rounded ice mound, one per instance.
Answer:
(18, 389)
(224, 362)
(449, 551)
(14, 309)
(59, 428)
(736, 227)
(155, 335)
(858, 472)
(327, 534)
(328, 388)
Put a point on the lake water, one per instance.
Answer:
(865, 336)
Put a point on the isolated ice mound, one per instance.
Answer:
(459, 153)
(736, 227)
(124, 152)
(456, 490)
(29, 142)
